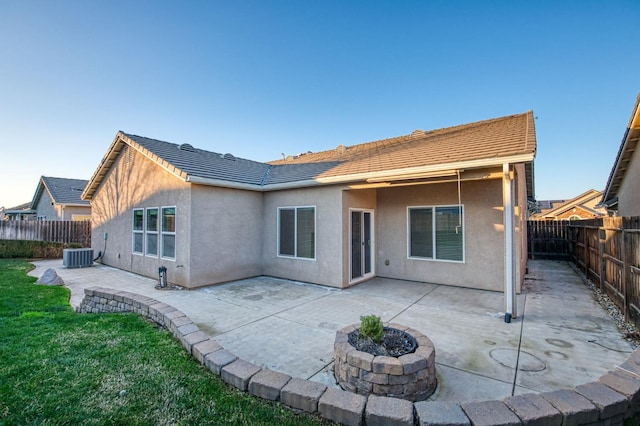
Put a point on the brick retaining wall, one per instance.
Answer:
(609, 401)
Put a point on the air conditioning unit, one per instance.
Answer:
(77, 258)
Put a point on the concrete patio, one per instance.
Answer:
(561, 339)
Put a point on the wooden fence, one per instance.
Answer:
(47, 230)
(607, 250)
(548, 239)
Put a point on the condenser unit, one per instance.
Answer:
(77, 258)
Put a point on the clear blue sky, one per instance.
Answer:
(261, 78)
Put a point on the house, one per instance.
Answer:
(59, 199)
(621, 195)
(21, 212)
(428, 206)
(584, 206)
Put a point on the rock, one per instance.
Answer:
(50, 277)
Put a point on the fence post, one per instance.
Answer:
(625, 273)
(602, 237)
(586, 251)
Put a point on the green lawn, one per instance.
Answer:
(60, 367)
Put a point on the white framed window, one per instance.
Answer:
(297, 232)
(138, 231)
(168, 232)
(436, 233)
(151, 231)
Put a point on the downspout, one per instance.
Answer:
(509, 284)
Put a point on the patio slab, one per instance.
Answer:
(561, 339)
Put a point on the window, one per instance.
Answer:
(152, 232)
(297, 232)
(138, 230)
(169, 232)
(436, 233)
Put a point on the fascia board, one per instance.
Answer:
(38, 193)
(102, 169)
(223, 183)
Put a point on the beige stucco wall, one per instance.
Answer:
(68, 212)
(483, 266)
(46, 207)
(327, 268)
(628, 194)
(226, 234)
(140, 183)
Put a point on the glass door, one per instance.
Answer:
(361, 244)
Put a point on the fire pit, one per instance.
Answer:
(409, 376)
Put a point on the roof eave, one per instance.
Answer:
(610, 194)
(74, 204)
(38, 193)
(445, 167)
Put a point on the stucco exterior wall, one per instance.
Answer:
(46, 208)
(483, 267)
(628, 194)
(226, 235)
(327, 268)
(136, 182)
(68, 212)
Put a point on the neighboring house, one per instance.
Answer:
(584, 206)
(430, 206)
(621, 195)
(543, 206)
(21, 212)
(59, 199)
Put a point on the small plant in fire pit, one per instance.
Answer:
(372, 337)
(392, 360)
(371, 327)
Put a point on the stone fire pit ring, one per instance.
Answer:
(411, 376)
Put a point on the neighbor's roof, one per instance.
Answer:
(485, 143)
(625, 152)
(21, 209)
(579, 201)
(62, 191)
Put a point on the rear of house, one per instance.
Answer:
(429, 206)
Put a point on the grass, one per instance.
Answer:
(58, 367)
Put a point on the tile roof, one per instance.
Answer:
(62, 190)
(204, 164)
(490, 140)
(496, 138)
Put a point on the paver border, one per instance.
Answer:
(613, 398)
